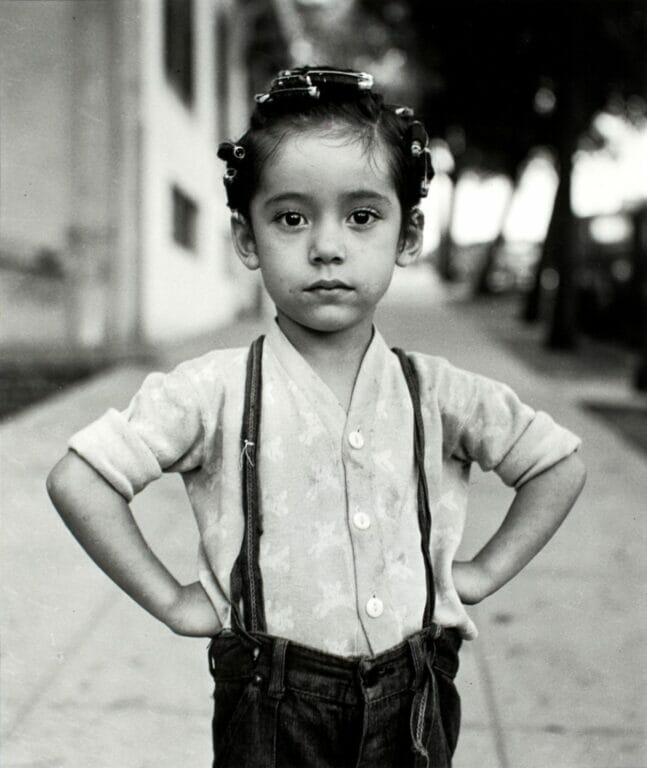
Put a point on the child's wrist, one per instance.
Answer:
(192, 613)
(471, 581)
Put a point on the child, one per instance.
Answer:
(329, 525)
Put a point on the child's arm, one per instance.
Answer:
(538, 509)
(102, 522)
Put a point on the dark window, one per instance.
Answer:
(185, 220)
(178, 47)
(222, 75)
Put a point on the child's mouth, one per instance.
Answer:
(329, 287)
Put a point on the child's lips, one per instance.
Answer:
(329, 287)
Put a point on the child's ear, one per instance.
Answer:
(410, 246)
(244, 241)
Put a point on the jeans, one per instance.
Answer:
(282, 705)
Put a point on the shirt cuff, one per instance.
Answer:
(542, 445)
(117, 453)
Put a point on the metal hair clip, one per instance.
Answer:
(313, 83)
(403, 111)
(416, 148)
(361, 80)
(291, 78)
(418, 138)
(421, 155)
(265, 99)
(428, 173)
(231, 152)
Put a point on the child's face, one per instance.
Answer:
(326, 231)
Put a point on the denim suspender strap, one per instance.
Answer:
(424, 513)
(246, 580)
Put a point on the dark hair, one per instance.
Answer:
(337, 97)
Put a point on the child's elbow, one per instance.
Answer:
(60, 480)
(56, 480)
(576, 472)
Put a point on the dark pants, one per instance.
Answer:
(282, 705)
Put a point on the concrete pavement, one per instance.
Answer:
(555, 680)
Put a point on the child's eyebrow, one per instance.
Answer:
(367, 194)
(285, 196)
(352, 196)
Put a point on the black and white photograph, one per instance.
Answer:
(323, 383)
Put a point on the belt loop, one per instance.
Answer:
(277, 673)
(418, 659)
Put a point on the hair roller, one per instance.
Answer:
(303, 96)
(226, 151)
(233, 154)
(310, 85)
(418, 142)
(418, 138)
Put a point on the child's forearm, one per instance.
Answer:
(538, 509)
(102, 522)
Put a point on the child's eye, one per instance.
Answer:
(363, 217)
(291, 219)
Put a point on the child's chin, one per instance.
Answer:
(331, 320)
(332, 324)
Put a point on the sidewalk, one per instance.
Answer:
(555, 680)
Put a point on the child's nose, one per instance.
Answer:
(327, 245)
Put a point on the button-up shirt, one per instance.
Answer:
(340, 551)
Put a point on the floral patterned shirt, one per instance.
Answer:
(340, 551)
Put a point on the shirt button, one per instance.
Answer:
(356, 440)
(361, 520)
(375, 608)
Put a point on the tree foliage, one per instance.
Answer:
(502, 70)
(506, 77)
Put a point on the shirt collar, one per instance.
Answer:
(377, 359)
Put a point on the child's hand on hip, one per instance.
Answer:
(192, 614)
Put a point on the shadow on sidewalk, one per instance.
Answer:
(601, 372)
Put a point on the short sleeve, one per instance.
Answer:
(160, 430)
(492, 427)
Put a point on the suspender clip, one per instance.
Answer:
(248, 446)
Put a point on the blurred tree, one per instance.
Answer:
(495, 78)
(515, 75)
(640, 272)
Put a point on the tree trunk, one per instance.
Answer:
(563, 328)
(445, 260)
(532, 300)
(640, 277)
(640, 268)
(482, 285)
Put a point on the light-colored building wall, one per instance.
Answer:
(36, 61)
(55, 156)
(93, 138)
(184, 291)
